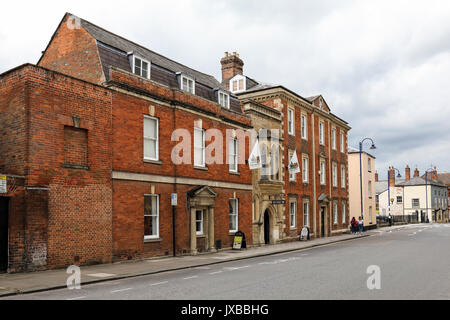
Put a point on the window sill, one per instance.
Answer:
(201, 235)
(159, 162)
(151, 240)
(201, 168)
(234, 173)
(75, 166)
(232, 233)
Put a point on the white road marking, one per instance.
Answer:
(216, 272)
(101, 275)
(235, 268)
(121, 290)
(158, 283)
(190, 277)
(77, 298)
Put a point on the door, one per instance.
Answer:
(4, 206)
(266, 227)
(322, 220)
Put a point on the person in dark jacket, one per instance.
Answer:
(354, 225)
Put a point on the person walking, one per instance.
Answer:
(353, 225)
(361, 225)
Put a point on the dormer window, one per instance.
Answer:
(141, 67)
(238, 83)
(224, 99)
(187, 84)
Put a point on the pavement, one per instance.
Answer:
(22, 283)
(410, 262)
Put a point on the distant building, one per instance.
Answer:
(368, 186)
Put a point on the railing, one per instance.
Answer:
(410, 218)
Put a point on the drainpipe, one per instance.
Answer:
(314, 202)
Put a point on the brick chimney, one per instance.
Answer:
(391, 177)
(231, 66)
(407, 173)
(433, 174)
(416, 173)
(376, 176)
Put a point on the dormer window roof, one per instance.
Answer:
(140, 66)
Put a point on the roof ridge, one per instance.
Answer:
(139, 45)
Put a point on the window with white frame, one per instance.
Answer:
(224, 99)
(141, 67)
(321, 133)
(335, 179)
(333, 139)
(335, 213)
(234, 204)
(199, 222)
(199, 147)
(415, 203)
(151, 143)
(322, 172)
(187, 84)
(291, 128)
(151, 216)
(304, 124)
(305, 172)
(306, 213)
(343, 178)
(342, 143)
(233, 154)
(293, 213)
(237, 85)
(344, 213)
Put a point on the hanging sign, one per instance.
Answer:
(3, 186)
(254, 161)
(294, 166)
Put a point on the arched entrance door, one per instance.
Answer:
(266, 227)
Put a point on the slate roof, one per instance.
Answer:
(114, 51)
(444, 178)
(419, 181)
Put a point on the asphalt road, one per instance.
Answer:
(414, 263)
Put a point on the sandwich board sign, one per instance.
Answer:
(239, 241)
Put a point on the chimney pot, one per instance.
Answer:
(407, 173)
(231, 66)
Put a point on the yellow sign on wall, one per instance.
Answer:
(3, 188)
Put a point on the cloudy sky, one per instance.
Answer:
(383, 66)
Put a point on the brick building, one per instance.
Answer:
(317, 196)
(89, 141)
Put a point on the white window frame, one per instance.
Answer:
(234, 215)
(203, 147)
(304, 126)
(344, 213)
(151, 215)
(343, 177)
(223, 99)
(199, 232)
(156, 139)
(321, 133)
(342, 142)
(292, 176)
(333, 138)
(134, 65)
(323, 168)
(291, 121)
(238, 78)
(233, 154)
(293, 215)
(306, 213)
(335, 213)
(188, 79)
(305, 172)
(334, 172)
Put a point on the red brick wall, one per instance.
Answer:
(74, 52)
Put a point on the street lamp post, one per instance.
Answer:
(389, 188)
(360, 169)
(426, 190)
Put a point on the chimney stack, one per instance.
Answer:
(231, 66)
(407, 173)
(433, 174)
(391, 177)
(376, 176)
(416, 173)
